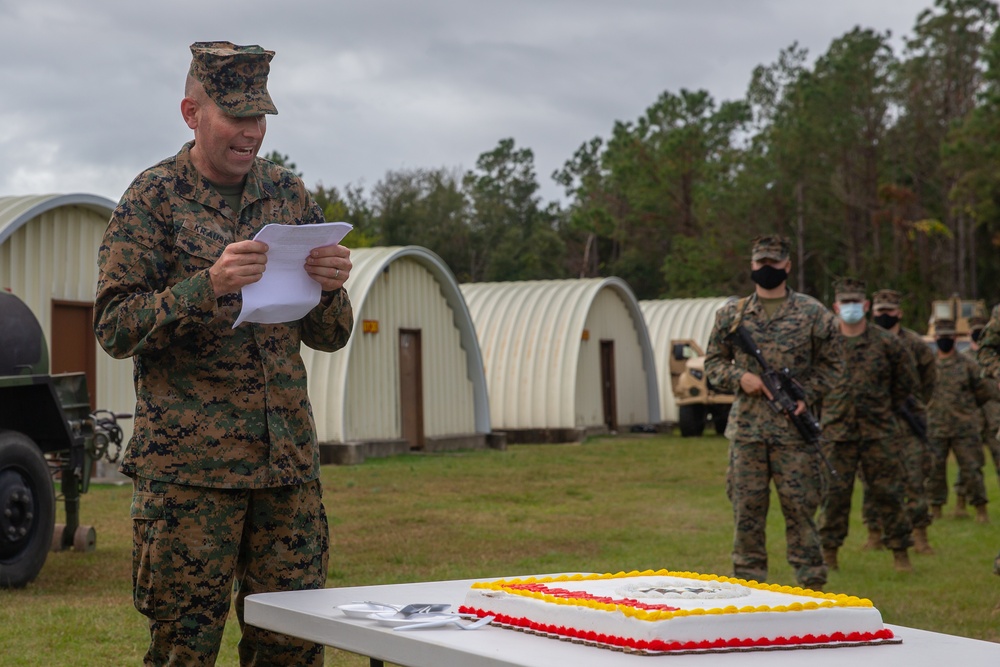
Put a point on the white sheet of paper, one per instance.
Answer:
(285, 292)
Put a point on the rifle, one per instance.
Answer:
(785, 393)
(916, 422)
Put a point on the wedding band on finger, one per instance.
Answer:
(337, 274)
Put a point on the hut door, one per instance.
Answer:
(74, 348)
(608, 384)
(411, 397)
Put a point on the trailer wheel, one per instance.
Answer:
(692, 419)
(27, 509)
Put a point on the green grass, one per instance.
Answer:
(606, 505)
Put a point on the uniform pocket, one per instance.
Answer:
(152, 566)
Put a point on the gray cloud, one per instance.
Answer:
(91, 91)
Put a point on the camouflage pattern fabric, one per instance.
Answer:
(802, 337)
(989, 346)
(877, 378)
(877, 462)
(189, 542)
(989, 421)
(202, 386)
(915, 454)
(953, 425)
(859, 423)
(235, 77)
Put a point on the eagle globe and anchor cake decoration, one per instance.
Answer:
(664, 612)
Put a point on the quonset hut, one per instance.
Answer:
(564, 358)
(411, 375)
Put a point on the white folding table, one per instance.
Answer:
(313, 615)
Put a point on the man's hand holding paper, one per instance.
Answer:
(299, 263)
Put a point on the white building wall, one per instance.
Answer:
(609, 319)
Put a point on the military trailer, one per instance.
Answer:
(698, 402)
(48, 433)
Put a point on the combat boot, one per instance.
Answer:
(960, 511)
(830, 558)
(874, 542)
(901, 560)
(920, 543)
(982, 516)
(935, 511)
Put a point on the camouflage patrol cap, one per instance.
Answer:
(888, 299)
(849, 289)
(977, 322)
(943, 327)
(235, 77)
(770, 247)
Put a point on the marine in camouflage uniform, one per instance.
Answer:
(796, 332)
(954, 422)
(991, 411)
(859, 424)
(224, 458)
(988, 357)
(914, 452)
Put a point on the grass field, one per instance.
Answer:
(610, 504)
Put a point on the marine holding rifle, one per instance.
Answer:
(859, 425)
(794, 333)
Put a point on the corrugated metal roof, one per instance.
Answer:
(329, 373)
(531, 332)
(17, 210)
(669, 319)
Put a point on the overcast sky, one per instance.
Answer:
(90, 90)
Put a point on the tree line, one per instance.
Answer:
(877, 165)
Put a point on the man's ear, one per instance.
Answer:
(867, 306)
(189, 111)
(836, 308)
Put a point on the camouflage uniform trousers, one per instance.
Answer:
(990, 427)
(968, 451)
(798, 480)
(879, 463)
(917, 462)
(192, 543)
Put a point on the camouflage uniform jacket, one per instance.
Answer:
(215, 406)
(801, 336)
(926, 363)
(958, 395)
(989, 347)
(878, 376)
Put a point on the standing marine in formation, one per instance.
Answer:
(859, 425)
(911, 448)
(954, 423)
(793, 331)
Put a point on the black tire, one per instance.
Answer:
(720, 417)
(692, 420)
(27, 509)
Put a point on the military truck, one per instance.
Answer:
(958, 310)
(698, 402)
(47, 432)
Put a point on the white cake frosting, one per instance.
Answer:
(652, 612)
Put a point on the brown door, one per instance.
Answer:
(608, 384)
(411, 395)
(74, 348)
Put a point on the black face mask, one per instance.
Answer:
(769, 277)
(946, 345)
(976, 333)
(886, 321)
